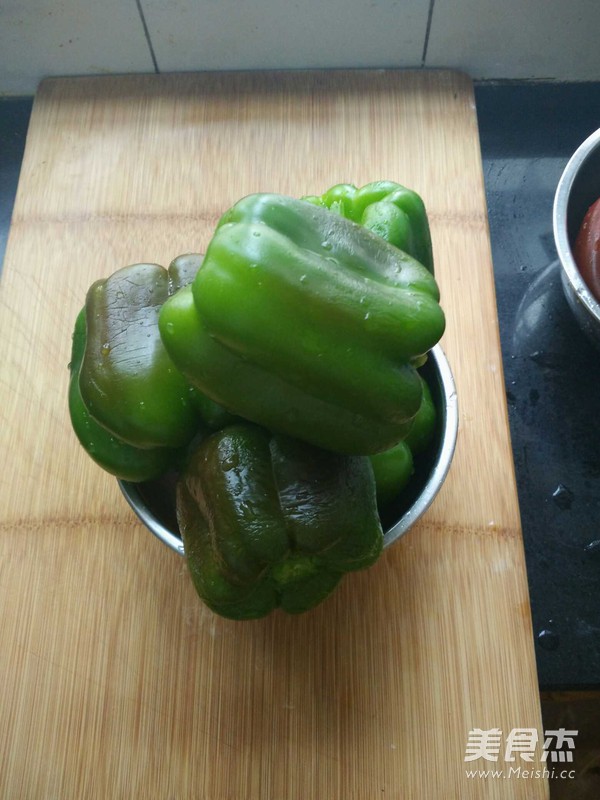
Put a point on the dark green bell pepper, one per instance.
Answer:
(182, 271)
(127, 380)
(307, 323)
(129, 406)
(390, 210)
(268, 521)
(108, 451)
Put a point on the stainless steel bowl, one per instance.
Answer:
(578, 188)
(154, 501)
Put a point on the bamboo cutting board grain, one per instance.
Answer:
(116, 682)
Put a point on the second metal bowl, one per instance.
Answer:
(577, 190)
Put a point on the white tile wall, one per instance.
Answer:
(538, 39)
(68, 37)
(242, 34)
(493, 39)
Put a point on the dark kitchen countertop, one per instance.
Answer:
(528, 132)
(552, 373)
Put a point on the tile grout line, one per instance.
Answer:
(147, 35)
(427, 32)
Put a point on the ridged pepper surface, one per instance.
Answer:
(307, 323)
(268, 521)
(130, 407)
(390, 210)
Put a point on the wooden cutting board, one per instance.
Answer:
(116, 681)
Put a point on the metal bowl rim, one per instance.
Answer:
(559, 223)
(444, 457)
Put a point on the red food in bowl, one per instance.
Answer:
(587, 249)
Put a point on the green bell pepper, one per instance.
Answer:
(423, 428)
(394, 468)
(268, 521)
(308, 324)
(127, 380)
(182, 271)
(388, 209)
(129, 406)
(108, 451)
